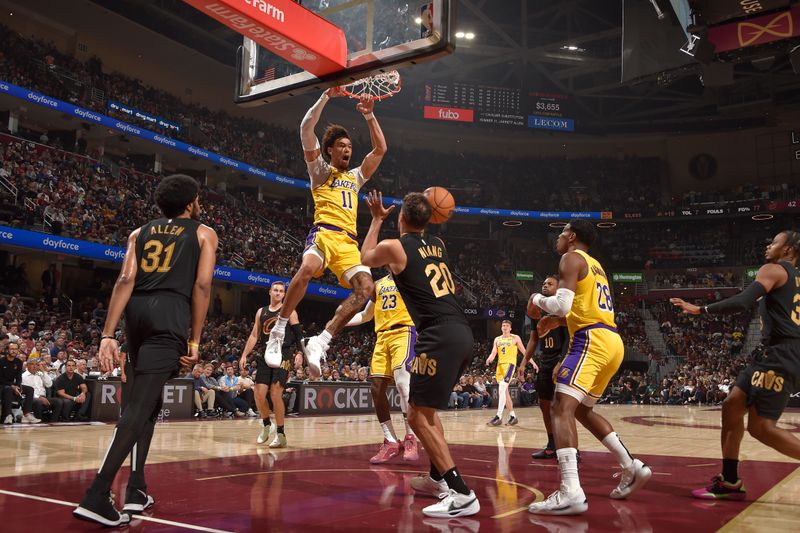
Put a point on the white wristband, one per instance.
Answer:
(369, 116)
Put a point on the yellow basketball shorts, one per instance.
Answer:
(338, 250)
(595, 354)
(505, 372)
(394, 349)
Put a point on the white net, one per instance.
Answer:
(375, 87)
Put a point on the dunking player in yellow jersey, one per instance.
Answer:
(595, 354)
(332, 241)
(507, 345)
(391, 359)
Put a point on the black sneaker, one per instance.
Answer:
(100, 508)
(512, 421)
(137, 500)
(546, 453)
(496, 421)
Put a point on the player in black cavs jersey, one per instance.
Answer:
(164, 289)
(550, 332)
(270, 380)
(419, 265)
(762, 389)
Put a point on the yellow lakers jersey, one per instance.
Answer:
(390, 309)
(506, 350)
(336, 202)
(593, 303)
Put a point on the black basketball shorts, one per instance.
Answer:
(443, 353)
(266, 375)
(157, 331)
(772, 379)
(545, 386)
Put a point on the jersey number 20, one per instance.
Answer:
(441, 280)
(604, 301)
(157, 257)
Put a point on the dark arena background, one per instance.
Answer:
(672, 126)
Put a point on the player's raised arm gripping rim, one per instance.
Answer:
(594, 356)
(331, 243)
(419, 266)
(763, 388)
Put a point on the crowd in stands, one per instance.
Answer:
(693, 280)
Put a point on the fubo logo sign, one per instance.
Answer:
(452, 114)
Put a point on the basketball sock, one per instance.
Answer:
(568, 463)
(266, 422)
(388, 431)
(615, 446)
(512, 413)
(435, 475)
(501, 398)
(280, 325)
(409, 431)
(551, 443)
(280, 430)
(730, 470)
(455, 481)
(325, 336)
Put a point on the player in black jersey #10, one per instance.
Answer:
(419, 265)
(164, 289)
(763, 389)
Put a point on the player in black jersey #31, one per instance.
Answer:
(164, 289)
(419, 265)
(763, 389)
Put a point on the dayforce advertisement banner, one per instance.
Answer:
(132, 111)
(103, 252)
(124, 127)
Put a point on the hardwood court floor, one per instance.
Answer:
(213, 477)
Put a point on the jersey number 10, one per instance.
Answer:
(604, 301)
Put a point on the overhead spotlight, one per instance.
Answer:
(469, 35)
(573, 48)
(606, 225)
(762, 216)
(659, 13)
(512, 223)
(459, 34)
(418, 20)
(699, 48)
(558, 225)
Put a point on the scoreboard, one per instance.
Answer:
(496, 106)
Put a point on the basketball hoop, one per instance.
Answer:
(378, 87)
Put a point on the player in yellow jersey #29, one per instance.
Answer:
(331, 243)
(505, 348)
(594, 356)
(391, 359)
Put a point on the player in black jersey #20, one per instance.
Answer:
(763, 389)
(164, 289)
(419, 265)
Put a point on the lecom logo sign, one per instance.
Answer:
(454, 114)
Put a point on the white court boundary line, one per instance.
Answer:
(133, 517)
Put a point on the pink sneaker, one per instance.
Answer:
(386, 452)
(410, 448)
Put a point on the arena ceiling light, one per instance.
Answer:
(468, 35)
(512, 223)
(418, 20)
(606, 225)
(557, 224)
(762, 216)
(573, 48)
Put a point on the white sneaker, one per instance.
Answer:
(314, 349)
(561, 503)
(427, 485)
(30, 419)
(250, 412)
(279, 441)
(454, 505)
(273, 354)
(633, 478)
(9, 420)
(267, 434)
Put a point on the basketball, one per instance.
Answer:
(534, 311)
(442, 202)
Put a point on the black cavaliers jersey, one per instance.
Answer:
(780, 309)
(426, 284)
(266, 320)
(552, 346)
(167, 250)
